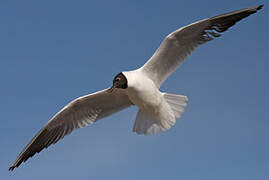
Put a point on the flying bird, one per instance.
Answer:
(158, 111)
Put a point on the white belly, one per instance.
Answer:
(154, 113)
(143, 93)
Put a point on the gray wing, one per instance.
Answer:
(180, 43)
(77, 114)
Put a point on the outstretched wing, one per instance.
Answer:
(77, 114)
(180, 43)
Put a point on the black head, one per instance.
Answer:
(119, 81)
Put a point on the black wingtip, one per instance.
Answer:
(11, 168)
(260, 7)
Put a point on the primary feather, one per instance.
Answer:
(179, 44)
(77, 114)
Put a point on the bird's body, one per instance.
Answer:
(142, 91)
(152, 105)
(158, 111)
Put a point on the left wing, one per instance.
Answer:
(179, 44)
(77, 114)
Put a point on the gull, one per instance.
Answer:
(158, 111)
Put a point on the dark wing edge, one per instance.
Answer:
(178, 45)
(223, 22)
(76, 114)
(36, 148)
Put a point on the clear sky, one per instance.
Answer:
(55, 51)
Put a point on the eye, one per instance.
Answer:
(117, 79)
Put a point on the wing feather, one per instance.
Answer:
(179, 44)
(77, 114)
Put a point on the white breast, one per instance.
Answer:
(154, 113)
(142, 91)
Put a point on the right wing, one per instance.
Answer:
(77, 114)
(179, 44)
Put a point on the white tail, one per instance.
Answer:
(176, 102)
(146, 124)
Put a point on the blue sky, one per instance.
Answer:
(55, 51)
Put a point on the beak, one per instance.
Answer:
(110, 90)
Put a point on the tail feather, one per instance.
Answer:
(177, 103)
(148, 124)
(145, 124)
